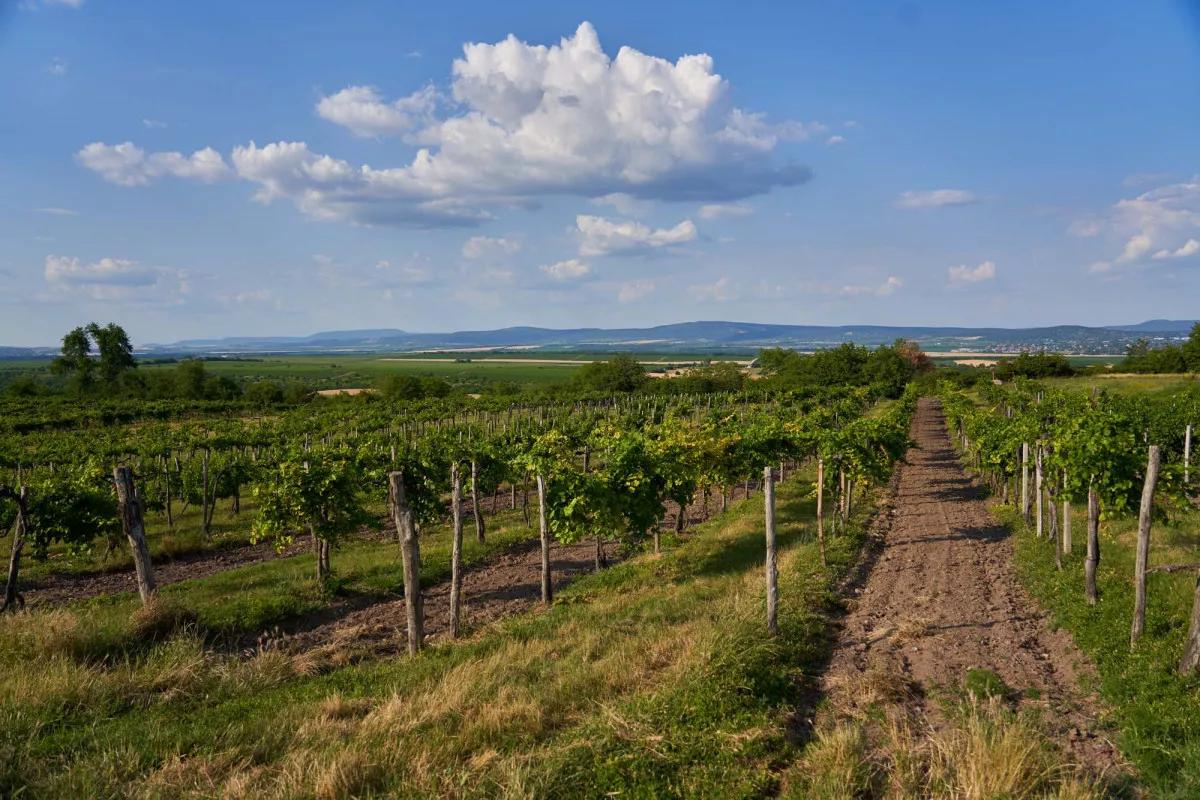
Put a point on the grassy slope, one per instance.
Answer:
(1157, 710)
(652, 678)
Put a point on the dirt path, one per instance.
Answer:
(941, 598)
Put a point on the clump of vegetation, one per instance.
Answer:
(1141, 356)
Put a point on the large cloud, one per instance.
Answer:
(599, 236)
(535, 121)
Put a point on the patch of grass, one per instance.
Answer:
(981, 752)
(653, 678)
(985, 684)
(1156, 709)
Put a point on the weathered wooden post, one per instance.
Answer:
(1187, 455)
(1191, 648)
(410, 553)
(544, 529)
(821, 507)
(1040, 490)
(772, 569)
(1026, 505)
(1066, 511)
(1143, 545)
(480, 525)
(129, 506)
(13, 598)
(456, 550)
(1092, 559)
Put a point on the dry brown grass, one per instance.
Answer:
(984, 752)
(912, 629)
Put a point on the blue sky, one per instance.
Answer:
(237, 168)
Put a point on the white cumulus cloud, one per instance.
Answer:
(569, 270)
(1189, 248)
(599, 236)
(726, 210)
(936, 198)
(534, 121)
(963, 274)
(128, 165)
(361, 110)
(834, 140)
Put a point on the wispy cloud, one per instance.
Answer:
(58, 212)
(935, 198)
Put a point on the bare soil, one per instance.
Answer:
(67, 587)
(504, 585)
(937, 596)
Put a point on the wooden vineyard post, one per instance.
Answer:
(821, 507)
(544, 530)
(1187, 455)
(1066, 528)
(1039, 490)
(772, 570)
(480, 526)
(1093, 544)
(130, 508)
(1191, 648)
(410, 552)
(456, 551)
(1143, 545)
(1026, 506)
(13, 598)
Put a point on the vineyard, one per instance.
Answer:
(389, 517)
(665, 594)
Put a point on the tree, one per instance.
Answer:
(264, 394)
(190, 378)
(1191, 349)
(622, 373)
(76, 361)
(116, 352)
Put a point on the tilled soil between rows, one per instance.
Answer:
(941, 598)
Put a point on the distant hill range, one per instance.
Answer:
(702, 337)
(684, 337)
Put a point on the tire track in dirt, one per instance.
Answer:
(942, 598)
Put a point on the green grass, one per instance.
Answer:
(652, 678)
(258, 596)
(351, 371)
(1127, 384)
(1157, 710)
